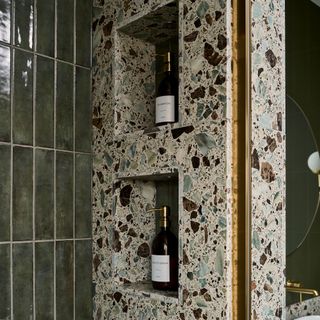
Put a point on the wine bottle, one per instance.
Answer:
(167, 95)
(165, 255)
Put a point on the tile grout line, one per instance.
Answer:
(12, 56)
(43, 241)
(74, 155)
(43, 148)
(55, 63)
(5, 44)
(33, 161)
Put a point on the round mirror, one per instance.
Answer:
(302, 190)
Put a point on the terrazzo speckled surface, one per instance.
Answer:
(268, 160)
(305, 308)
(129, 152)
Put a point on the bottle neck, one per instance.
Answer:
(167, 67)
(167, 63)
(164, 223)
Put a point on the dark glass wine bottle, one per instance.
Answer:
(167, 95)
(165, 255)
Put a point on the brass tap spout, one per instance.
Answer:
(296, 287)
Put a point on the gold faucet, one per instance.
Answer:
(296, 287)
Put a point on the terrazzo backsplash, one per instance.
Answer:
(45, 160)
(304, 308)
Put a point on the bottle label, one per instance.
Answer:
(165, 109)
(160, 268)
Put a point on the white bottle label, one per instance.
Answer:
(165, 109)
(160, 268)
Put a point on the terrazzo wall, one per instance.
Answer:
(132, 158)
(268, 159)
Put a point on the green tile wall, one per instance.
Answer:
(64, 195)
(65, 29)
(45, 27)
(83, 196)
(44, 280)
(44, 103)
(82, 111)
(5, 170)
(22, 274)
(24, 23)
(44, 194)
(5, 77)
(83, 32)
(83, 279)
(5, 305)
(5, 19)
(23, 97)
(22, 199)
(45, 159)
(64, 270)
(64, 107)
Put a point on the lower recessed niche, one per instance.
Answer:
(135, 228)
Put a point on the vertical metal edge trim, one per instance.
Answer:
(238, 160)
(248, 135)
(234, 209)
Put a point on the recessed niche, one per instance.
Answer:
(135, 227)
(140, 47)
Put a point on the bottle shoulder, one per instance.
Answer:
(165, 241)
(168, 85)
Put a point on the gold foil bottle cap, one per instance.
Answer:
(165, 213)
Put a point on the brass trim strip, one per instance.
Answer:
(238, 159)
(248, 160)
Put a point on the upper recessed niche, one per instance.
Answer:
(140, 45)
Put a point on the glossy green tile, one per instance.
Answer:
(44, 194)
(64, 195)
(83, 32)
(44, 280)
(22, 271)
(5, 119)
(83, 278)
(83, 196)
(64, 280)
(24, 17)
(44, 109)
(5, 20)
(5, 164)
(5, 304)
(83, 112)
(22, 98)
(65, 34)
(64, 107)
(22, 193)
(45, 27)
